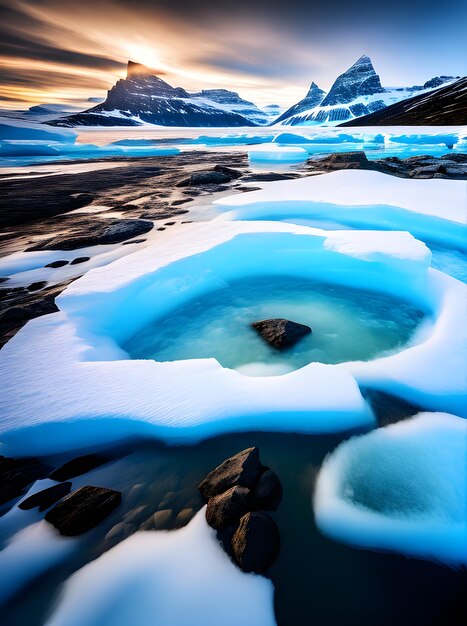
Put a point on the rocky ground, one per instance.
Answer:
(134, 197)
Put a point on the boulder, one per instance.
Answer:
(17, 474)
(83, 509)
(55, 264)
(205, 178)
(256, 542)
(45, 498)
(228, 171)
(242, 469)
(184, 517)
(80, 259)
(37, 286)
(80, 465)
(267, 493)
(228, 507)
(281, 333)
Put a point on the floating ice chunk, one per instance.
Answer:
(17, 129)
(277, 153)
(232, 139)
(12, 148)
(449, 139)
(171, 578)
(401, 488)
(294, 138)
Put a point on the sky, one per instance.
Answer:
(269, 51)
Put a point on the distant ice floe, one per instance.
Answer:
(268, 152)
(401, 489)
(65, 380)
(430, 209)
(179, 577)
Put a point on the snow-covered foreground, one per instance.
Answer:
(178, 578)
(66, 378)
(400, 488)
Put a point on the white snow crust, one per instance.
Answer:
(171, 578)
(401, 488)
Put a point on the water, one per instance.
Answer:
(317, 581)
(348, 325)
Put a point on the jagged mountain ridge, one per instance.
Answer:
(232, 102)
(313, 98)
(143, 97)
(355, 93)
(440, 107)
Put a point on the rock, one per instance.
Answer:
(267, 177)
(281, 333)
(36, 286)
(228, 171)
(17, 474)
(268, 491)
(181, 201)
(135, 514)
(118, 533)
(169, 223)
(161, 228)
(98, 232)
(83, 509)
(256, 542)
(185, 516)
(242, 469)
(55, 264)
(205, 178)
(228, 507)
(128, 243)
(80, 465)
(45, 498)
(161, 520)
(80, 259)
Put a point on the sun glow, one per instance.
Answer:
(150, 57)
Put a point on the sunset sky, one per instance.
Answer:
(57, 51)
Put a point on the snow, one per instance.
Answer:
(178, 577)
(428, 208)
(401, 488)
(274, 152)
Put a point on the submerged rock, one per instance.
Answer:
(17, 474)
(80, 259)
(281, 333)
(268, 491)
(206, 178)
(228, 507)
(45, 498)
(82, 510)
(256, 542)
(56, 264)
(80, 465)
(242, 469)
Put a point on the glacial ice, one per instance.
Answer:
(277, 153)
(46, 367)
(179, 577)
(363, 199)
(401, 488)
(26, 131)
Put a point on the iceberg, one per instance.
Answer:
(273, 152)
(17, 129)
(401, 488)
(178, 577)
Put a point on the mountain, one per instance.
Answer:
(440, 107)
(273, 111)
(313, 98)
(231, 102)
(142, 97)
(355, 93)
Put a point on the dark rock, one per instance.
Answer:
(161, 228)
(94, 233)
(128, 243)
(17, 474)
(343, 161)
(80, 465)
(267, 493)
(169, 223)
(160, 520)
(242, 469)
(55, 264)
(44, 499)
(83, 509)
(205, 178)
(267, 177)
(281, 333)
(182, 201)
(228, 507)
(185, 516)
(256, 542)
(36, 286)
(228, 171)
(80, 259)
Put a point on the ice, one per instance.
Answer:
(179, 577)
(30, 553)
(449, 139)
(16, 129)
(401, 488)
(363, 199)
(267, 152)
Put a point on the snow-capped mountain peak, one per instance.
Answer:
(359, 80)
